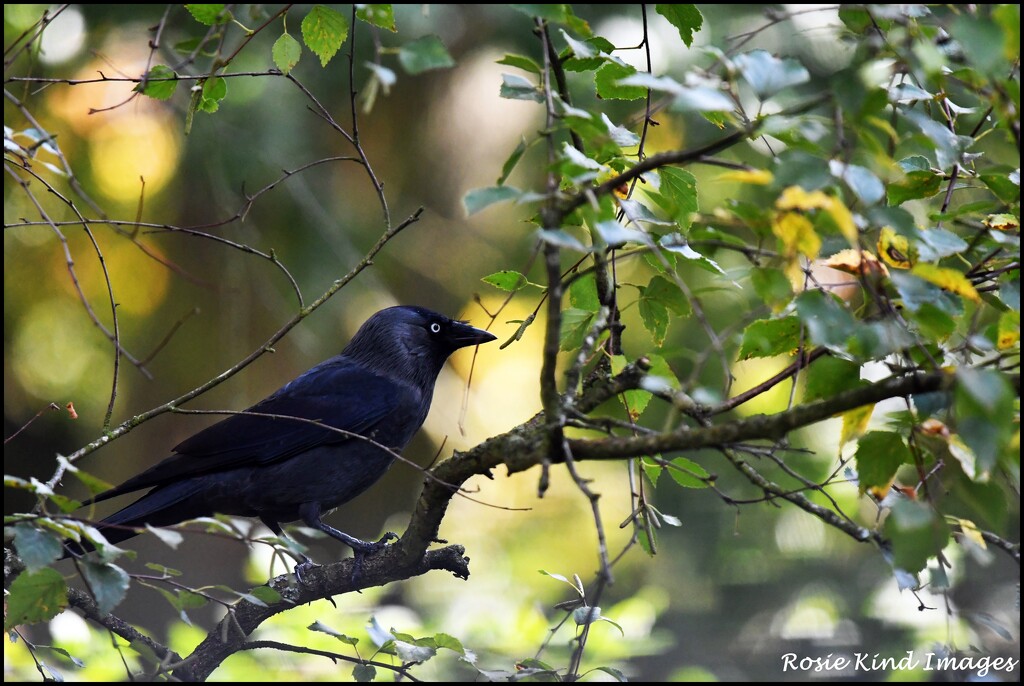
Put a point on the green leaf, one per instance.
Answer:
(377, 15)
(772, 286)
(214, 90)
(679, 188)
(829, 376)
(984, 410)
(324, 629)
(479, 198)
(770, 337)
(917, 534)
(266, 594)
(879, 455)
(607, 81)
(677, 243)
(862, 181)
(324, 30)
(655, 319)
(412, 653)
(507, 280)
(688, 473)
(108, 583)
(1002, 187)
(443, 640)
(575, 327)
(580, 49)
(916, 184)
(583, 294)
(286, 53)
(209, 14)
(515, 87)
(686, 18)
(156, 88)
(828, 322)
(36, 547)
(520, 62)
(768, 74)
(424, 54)
(512, 161)
(364, 673)
(35, 597)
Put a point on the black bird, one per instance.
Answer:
(283, 470)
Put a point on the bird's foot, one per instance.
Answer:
(364, 548)
(303, 567)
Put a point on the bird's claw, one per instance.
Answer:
(303, 567)
(367, 548)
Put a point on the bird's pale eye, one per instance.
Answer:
(435, 327)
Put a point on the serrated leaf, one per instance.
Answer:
(324, 629)
(36, 547)
(170, 537)
(520, 62)
(861, 181)
(831, 375)
(377, 15)
(512, 161)
(947, 279)
(412, 653)
(576, 325)
(515, 87)
(771, 337)
(917, 534)
(855, 423)
(160, 83)
(607, 79)
(688, 473)
(107, 582)
(879, 455)
(324, 30)
(768, 74)
(686, 18)
(35, 597)
(364, 673)
(480, 198)
(424, 54)
(679, 187)
(208, 14)
(914, 185)
(213, 91)
(506, 280)
(583, 294)
(286, 53)
(443, 640)
(828, 322)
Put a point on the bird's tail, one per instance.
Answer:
(160, 507)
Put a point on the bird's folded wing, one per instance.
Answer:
(335, 395)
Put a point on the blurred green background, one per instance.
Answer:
(730, 591)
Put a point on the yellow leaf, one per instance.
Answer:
(1002, 222)
(797, 234)
(758, 177)
(855, 423)
(895, 249)
(796, 198)
(1009, 330)
(843, 218)
(948, 280)
(970, 531)
(857, 262)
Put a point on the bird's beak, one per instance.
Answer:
(463, 334)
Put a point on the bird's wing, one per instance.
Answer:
(337, 393)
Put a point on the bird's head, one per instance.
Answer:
(411, 342)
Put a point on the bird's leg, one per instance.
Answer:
(310, 513)
(305, 564)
